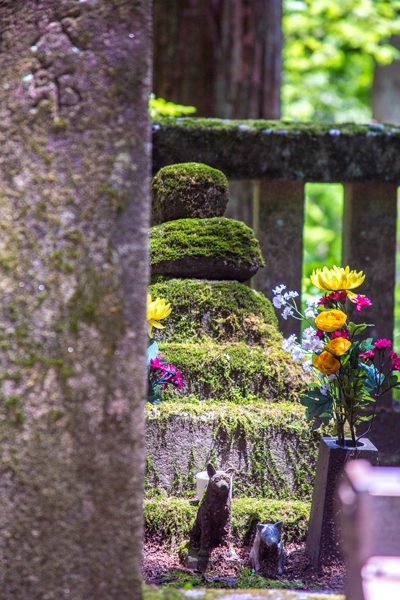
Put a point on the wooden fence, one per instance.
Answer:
(281, 157)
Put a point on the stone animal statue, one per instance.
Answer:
(267, 555)
(212, 525)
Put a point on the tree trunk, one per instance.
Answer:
(74, 212)
(222, 56)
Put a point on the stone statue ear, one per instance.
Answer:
(210, 470)
(278, 525)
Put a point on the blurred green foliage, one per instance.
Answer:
(322, 229)
(330, 49)
(158, 107)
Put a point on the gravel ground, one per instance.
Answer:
(161, 564)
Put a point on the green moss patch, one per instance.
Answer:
(235, 371)
(212, 248)
(187, 190)
(221, 310)
(172, 518)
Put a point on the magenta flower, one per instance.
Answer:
(340, 333)
(156, 364)
(368, 355)
(382, 344)
(319, 333)
(362, 301)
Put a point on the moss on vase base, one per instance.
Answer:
(221, 310)
(172, 518)
(188, 190)
(235, 371)
(216, 248)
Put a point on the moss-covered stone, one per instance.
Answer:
(235, 371)
(216, 248)
(172, 518)
(222, 310)
(270, 446)
(260, 149)
(188, 190)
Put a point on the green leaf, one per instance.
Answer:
(357, 328)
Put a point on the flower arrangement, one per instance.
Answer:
(348, 374)
(161, 374)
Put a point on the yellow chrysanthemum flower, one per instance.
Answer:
(157, 310)
(336, 279)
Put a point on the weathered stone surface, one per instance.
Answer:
(280, 232)
(215, 248)
(74, 212)
(153, 593)
(257, 149)
(271, 447)
(188, 190)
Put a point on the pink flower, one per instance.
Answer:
(340, 333)
(396, 364)
(327, 299)
(319, 333)
(156, 364)
(362, 301)
(392, 355)
(368, 355)
(382, 344)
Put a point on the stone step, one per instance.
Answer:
(270, 446)
(172, 518)
(154, 593)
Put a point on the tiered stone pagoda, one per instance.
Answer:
(239, 407)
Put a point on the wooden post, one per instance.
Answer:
(369, 244)
(280, 231)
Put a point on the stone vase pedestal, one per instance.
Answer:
(323, 539)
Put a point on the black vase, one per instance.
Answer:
(323, 539)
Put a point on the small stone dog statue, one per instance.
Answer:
(267, 555)
(212, 525)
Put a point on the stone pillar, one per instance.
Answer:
(280, 233)
(74, 211)
(369, 244)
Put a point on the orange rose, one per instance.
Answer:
(326, 363)
(330, 320)
(338, 346)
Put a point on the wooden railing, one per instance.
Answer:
(282, 157)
